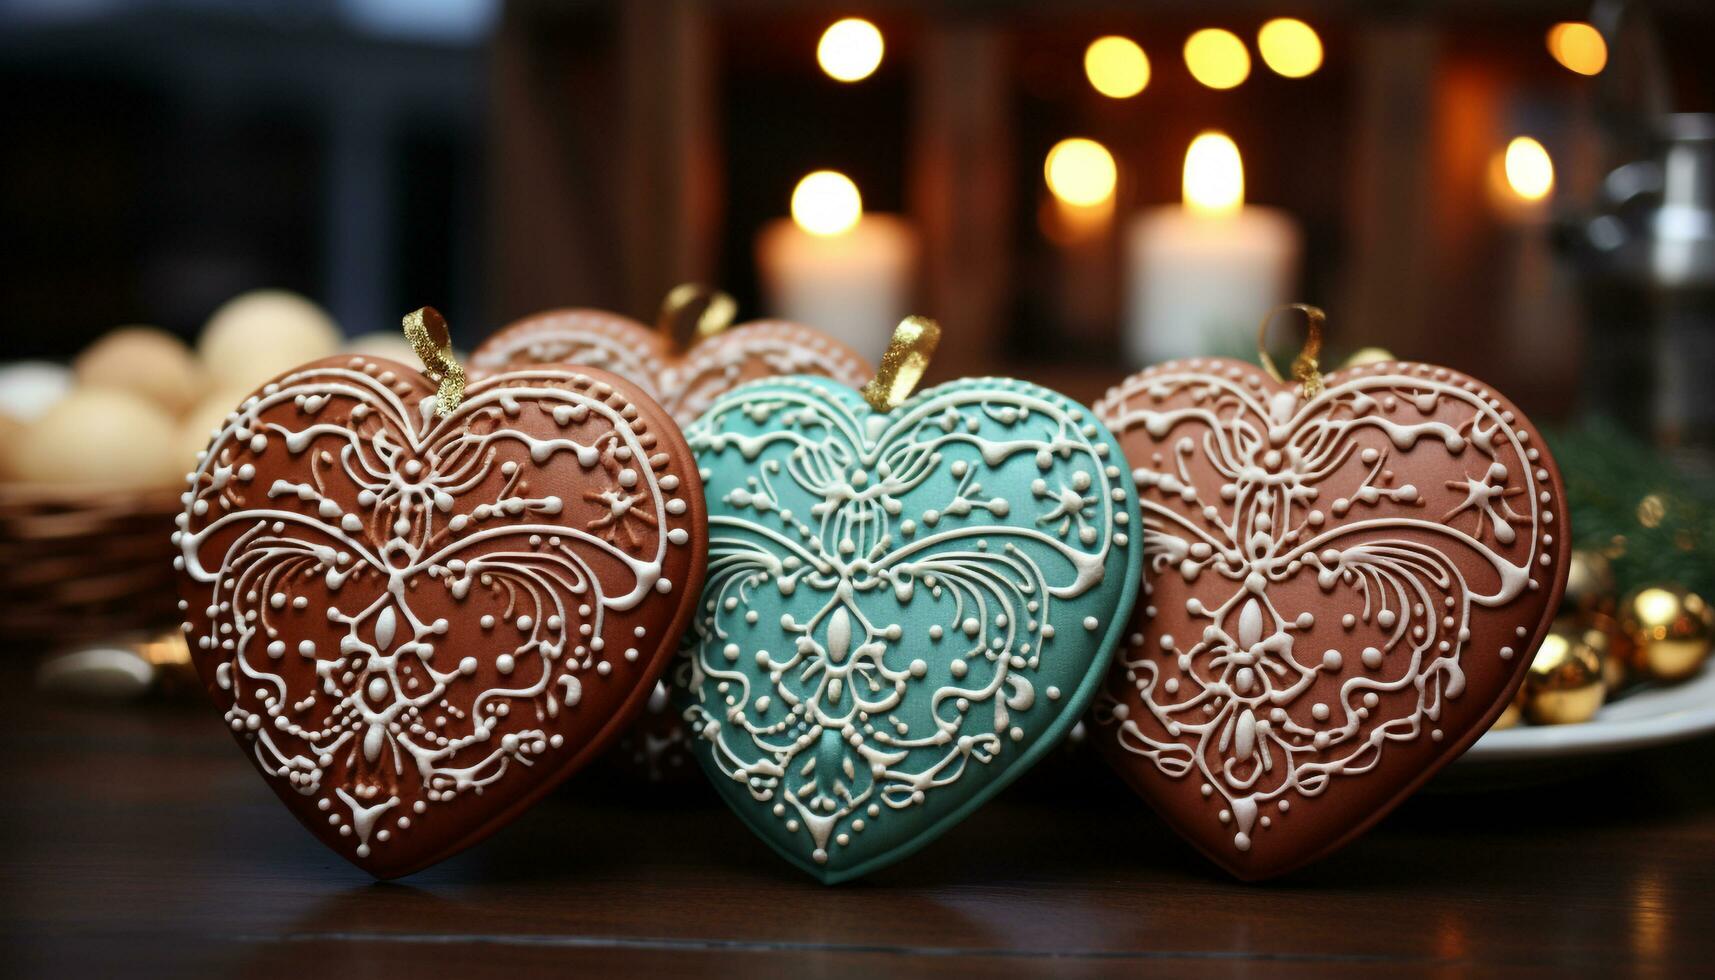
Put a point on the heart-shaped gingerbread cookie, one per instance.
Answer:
(905, 608)
(416, 625)
(685, 384)
(1342, 592)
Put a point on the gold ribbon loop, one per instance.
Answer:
(692, 312)
(1305, 370)
(903, 363)
(426, 329)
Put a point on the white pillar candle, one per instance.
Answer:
(832, 267)
(1201, 275)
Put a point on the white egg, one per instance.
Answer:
(197, 428)
(29, 388)
(99, 437)
(145, 360)
(391, 345)
(259, 335)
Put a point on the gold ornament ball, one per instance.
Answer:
(1513, 713)
(1565, 683)
(1589, 583)
(1670, 628)
(1617, 652)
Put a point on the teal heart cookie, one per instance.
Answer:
(904, 610)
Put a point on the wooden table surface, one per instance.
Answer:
(139, 843)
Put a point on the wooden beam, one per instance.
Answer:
(1391, 273)
(960, 190)
(670, 184)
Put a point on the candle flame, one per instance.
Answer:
(1214, 175)
(1530, 172)
(826, 203)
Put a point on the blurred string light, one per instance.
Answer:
(1289, 47)
(1217, 58)
(1579, 47)
(1530, 173)
(1116, 66)
(1214, 180)
(1081, 172)
(826, 203)
(850, 49)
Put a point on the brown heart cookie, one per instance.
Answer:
(1342, 592)
(685, 384)
(414, 625)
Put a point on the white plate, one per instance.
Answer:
(1649, 716)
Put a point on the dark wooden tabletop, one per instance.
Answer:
(139, 842)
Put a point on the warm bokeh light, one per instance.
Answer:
(1656, 606)
(1579, 47)
(826, 203)
(1116, 66)
(1289, 47)
(1530, 173)
(1214, 175)
(850, 49)
(1081, 172)
(1217, 58)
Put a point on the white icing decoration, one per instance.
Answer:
(686, 386)
(1243, 711)
(823, 733)
(382, 713)
(582, 338)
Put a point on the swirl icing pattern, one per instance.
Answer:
(416, 625)
(1342, 593)
(903, 609)
(685, 385)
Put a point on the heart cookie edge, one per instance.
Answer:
(672, 440)
(1110, 751)
(1076, 706)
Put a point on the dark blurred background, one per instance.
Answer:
(493, 159)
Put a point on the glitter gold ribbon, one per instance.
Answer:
(903, 363)
(426, 329)
(692, 312)
(1305, 370)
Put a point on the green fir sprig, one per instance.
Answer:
(1630, 501)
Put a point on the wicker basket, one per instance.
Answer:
(83, 564)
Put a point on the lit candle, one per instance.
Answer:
(1536, 303)
(835, 268)
(1200, 276)
(1082, 178)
